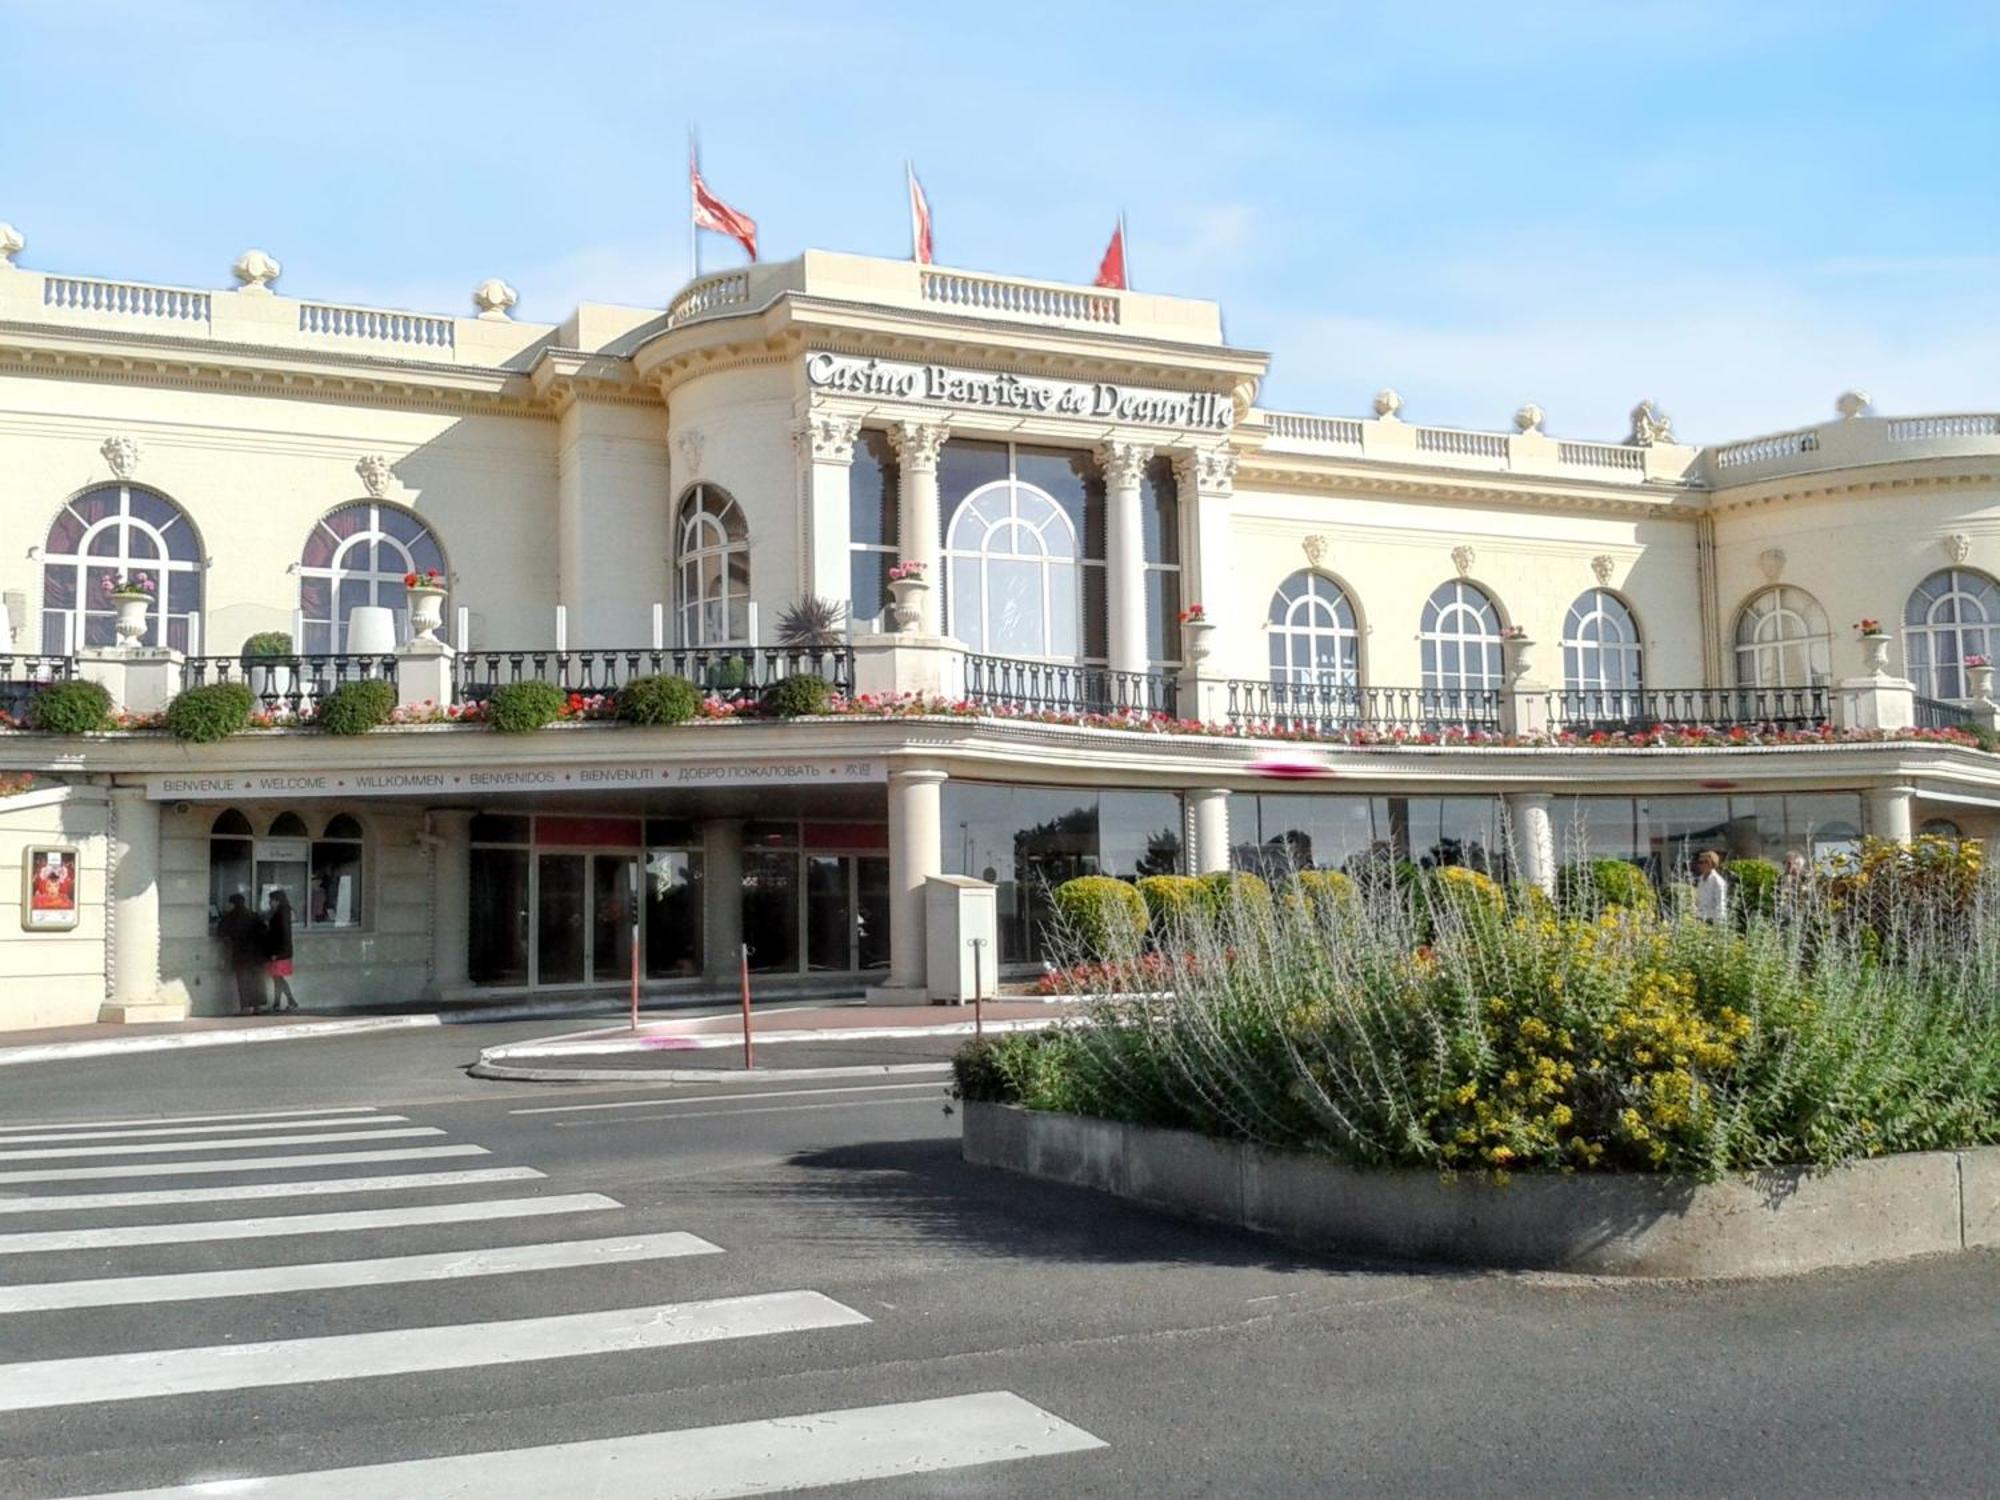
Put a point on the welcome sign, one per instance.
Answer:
(465, 782)
(942, 385)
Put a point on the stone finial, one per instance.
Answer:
(1242, 396)
(256, 270)
(1852, 404)
(1388, 403)
(1529, 418)
(1314, 548)
(1958, 546)
(494, 299)
(11, 244)
(1771, 563)
(1650, 425)
(1602, 567)
(688, 444)
(1463, 557)
(375, 474)
(123, 454)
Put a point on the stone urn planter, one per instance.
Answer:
(1875, 653)
(906, 601)
(1979, 681)
(131, 605)
(1519, 651)
(1198, 631)
(426, 611)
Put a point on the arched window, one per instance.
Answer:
(1782, 640)
(712, 558)
(1600, 642)
(1951, 615)
(357, 556)
(333, 894)
(1460, 639)
(1313, 638)
(230, 852)
(1941, 828)
(288, 825)
(1012, 556)
(113, 529)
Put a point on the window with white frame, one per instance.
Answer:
(1460, 639)
(321, 877)
(1011, 555)
(357, 556)
(1313, 639)
(1782, 640)
(1600, 645)
(874, 529)
(1160, 542)
(1950, 615)
(712, 566)
(114, 531)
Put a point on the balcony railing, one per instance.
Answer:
(1337, 707)
(1723, 708)
(728, 672)
(1936, 713)
(290, 684)
(1005, 682)
(22, 677)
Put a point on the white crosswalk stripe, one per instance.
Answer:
(160, 1130)
(401, 1182)
(160, 1148)
(704, 1463)
(261, 1114)
(247, 1164)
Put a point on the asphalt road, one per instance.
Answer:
(842, 1259)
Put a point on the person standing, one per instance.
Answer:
(242, 936)
(1711, 891)
(278, 951)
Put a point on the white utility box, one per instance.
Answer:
(961, 925)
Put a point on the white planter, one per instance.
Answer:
(426, 612)
(131, 617)
(906, 607)
(1199, 636)
(1519, 652)
(1980, 679)
(1875, 655)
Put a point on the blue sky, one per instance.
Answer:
(1737, 209)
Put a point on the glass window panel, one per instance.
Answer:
(499, 907)
(1096, 615)
(964, 465)
(868, 583)
(674, 913)
(1160, 513)
(1066, 476)
(228, 874)
(611, 916)
(105, 542)
(829, 927)
(292, 876)
(968, 605)
(1139, 833)
(1014, 607)
(770, 899)
(872, 491)
(560, 924)
(871, 913)
(499, 828)
(334, 898)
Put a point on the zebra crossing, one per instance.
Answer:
(291, 1149)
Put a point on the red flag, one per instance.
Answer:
(920, 219)
(711, 213)
(1111, 270)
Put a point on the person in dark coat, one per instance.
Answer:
(278, 951)
(242, 934)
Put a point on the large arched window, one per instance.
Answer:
(1782, 640)
(1460, 639)
(1313, 638)
(114, 529)
(1951, 615)
(1012, 555)
(1600, 642)
(712, 561)
(357, 556)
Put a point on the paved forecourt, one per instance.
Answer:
(165, 1273)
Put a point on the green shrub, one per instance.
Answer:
(213, 712)
(1170, 900)
(1224, 891)
(523, 707)
(357, 707)
(728, 675)
(658, 700)
(1753, 883)
(267, 643)
(73, 707)
(795, 697)
(1592, 885)
(1105, 917)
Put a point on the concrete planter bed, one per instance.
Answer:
(1775, 1222)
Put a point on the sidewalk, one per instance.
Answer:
(102, 1039)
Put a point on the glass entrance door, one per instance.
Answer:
(611, 916)
(562, 939)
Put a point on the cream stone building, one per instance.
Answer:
(1479, 632)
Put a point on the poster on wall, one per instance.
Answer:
(49, 888)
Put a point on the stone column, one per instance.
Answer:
(1889, 812)
(824, 442)
(1207, 481)
(1124, 467)
(451, 896)
(1534, 837)
(1210, 807)
(722, 895)
(132, 980)
(916, 852)
(917, 445)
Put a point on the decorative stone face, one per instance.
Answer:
(1529, 418)
(493, 297)
(1124, 464)
(375, 474)
(1958, 547)
(11, 244)
(1852, 404)
(1314, 548)
(687, 446)
(256, 270)
(1388, 404)
(1602, 567)
(1771, 563)
(828, 437)
(123, 454)
(1650, 425)
(1463, 557)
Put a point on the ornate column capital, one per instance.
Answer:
(1206, 471)
(1124, 464)
(917, 444)
(827, 437)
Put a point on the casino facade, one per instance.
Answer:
(1128, 596)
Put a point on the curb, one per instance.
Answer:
(174, 1041)
(503, 1073)
(577, 1045)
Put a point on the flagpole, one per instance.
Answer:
(1125, 248)
(910, 203)
(694, 234)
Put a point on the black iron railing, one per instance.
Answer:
(1585, 709)
(729, 672)
(1337, 707)
(22, 677)
(1937, 713)
(1006, 682)
(290, 684)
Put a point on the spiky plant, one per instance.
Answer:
(812, 624)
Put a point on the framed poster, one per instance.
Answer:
(49, 887)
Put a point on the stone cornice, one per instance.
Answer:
(1265, 471)
(1908, 474)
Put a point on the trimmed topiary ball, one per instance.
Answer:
(524, 707)
(658, 700)
(74, 707)
(1224, 892)
(1754, 884)
(1599, 883)
(795, 697)
(202, 715)
(1170, 900)
(265, 644)
(357, 707)
(1107, 916)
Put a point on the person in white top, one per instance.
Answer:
(1711, 891)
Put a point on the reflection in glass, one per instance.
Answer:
(560, 924)
(611, 916)
(673, 914)
(771, 910)
(871, 926)
(498, 954)
(828, 932)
